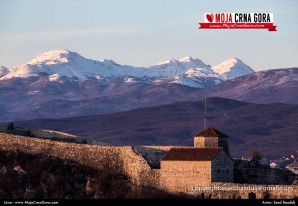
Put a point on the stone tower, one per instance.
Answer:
(210, 138)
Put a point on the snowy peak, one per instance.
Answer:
(232, 68)
(186, 67)
(191, 59)
(59, 56)
(65, 63)
(184, 63)
(184, 60)
(171, 61)
(109, 61)
(52, 57)
(3, 70)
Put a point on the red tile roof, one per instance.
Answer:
(191, 154)
(211, 132)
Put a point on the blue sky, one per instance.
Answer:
(142, 33)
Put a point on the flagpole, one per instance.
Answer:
(205, 112)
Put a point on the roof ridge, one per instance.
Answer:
(192, 154)
(211, 132)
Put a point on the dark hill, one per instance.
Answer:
(271, 128)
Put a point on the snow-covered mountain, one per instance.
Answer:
(69, 64)
(269, 86)
(61, 84)
(232, 68)
(186, 71)
(191, 67)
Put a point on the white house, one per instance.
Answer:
(274, 165)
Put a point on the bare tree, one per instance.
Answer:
(255, 155)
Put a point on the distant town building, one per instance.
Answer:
(293, 167)
(274, 165)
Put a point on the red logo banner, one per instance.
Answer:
(268, 26)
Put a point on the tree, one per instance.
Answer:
(255, 155)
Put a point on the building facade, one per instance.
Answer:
(184, 168)
(210, 138)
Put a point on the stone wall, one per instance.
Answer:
(202, 142)
(44, 134)
(152, 154)
(181, 176)
(15, 131)
(199, 142)
(130, 161)
(137, 168)
(118, 158)
(89, 155)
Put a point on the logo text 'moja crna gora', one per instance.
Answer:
(239, 17)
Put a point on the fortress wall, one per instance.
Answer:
(118, 158)
(15, 131)
(50, 133)
(127, 160)
(89, 155)
(137, 168)
(45, 134)
(152, 154)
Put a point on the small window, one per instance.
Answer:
(218, 170)
(227, 170)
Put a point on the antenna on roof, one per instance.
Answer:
(205, 111)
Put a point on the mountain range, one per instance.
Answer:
(60, 84)
(270, 86)
(187, 71)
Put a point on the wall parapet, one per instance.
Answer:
(131, 162)
(118, 158)
(50, 134)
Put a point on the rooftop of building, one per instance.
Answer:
(294, 164)
(191, 154)
(211, 132)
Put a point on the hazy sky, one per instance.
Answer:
(142, 33)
